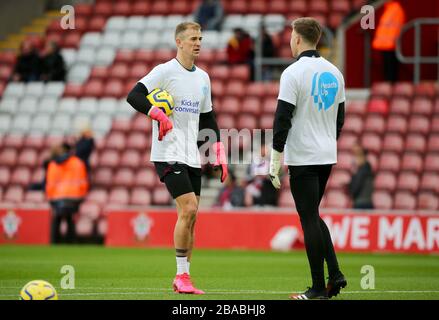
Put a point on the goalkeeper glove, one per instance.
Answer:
(165, 125)
(220, 159)
(275, 166)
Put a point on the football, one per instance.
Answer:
(38, 290)
(162, 99)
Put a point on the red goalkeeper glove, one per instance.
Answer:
(165, 125)
(220, 159)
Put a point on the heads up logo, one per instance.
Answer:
(324, 90)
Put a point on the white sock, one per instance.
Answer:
(188, 268)
(182, 266)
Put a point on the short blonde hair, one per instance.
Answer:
(182, 27)
(309, 29)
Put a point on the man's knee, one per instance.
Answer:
(189, 210)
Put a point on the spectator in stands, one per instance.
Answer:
(66, 187)
(209, 14)
(53, 65)
(260, 190)
(231, 195)
(240, 49)
(268, 51)
(28, 66)
(85, 145)
(361, 184)
(386, 36)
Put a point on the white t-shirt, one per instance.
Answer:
(316, 87)
(191, 91)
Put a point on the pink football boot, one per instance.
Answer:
(183, 284)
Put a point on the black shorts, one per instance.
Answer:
(179, 178)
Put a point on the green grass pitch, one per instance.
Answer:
(108, 273)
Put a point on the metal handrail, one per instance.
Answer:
(417, 59)
(260, 61)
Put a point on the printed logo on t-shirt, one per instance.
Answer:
(324, 90)
(188, 106)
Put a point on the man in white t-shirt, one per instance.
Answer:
(308, 121)
(174, 149)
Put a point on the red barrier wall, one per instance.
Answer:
(353, 231)
(24, 226)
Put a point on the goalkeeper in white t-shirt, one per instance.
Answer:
(308, 121)
(174, 149)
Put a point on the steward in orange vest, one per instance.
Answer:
(389, 27)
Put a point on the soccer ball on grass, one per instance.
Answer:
(38, 290)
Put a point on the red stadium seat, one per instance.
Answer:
(103, 9)
(404, 201)
(141, 8)
(408, 181)
(115, 140)
(8, 58)
(393, 142)
(269, 105)
(236, 7)
(396, 124)
(145, 178)
(426, 89)
(375, 124)
(353, 124)
(122, 8)
(121, 125)
(139, 70)
(123, 178)
(415, 143)
(163, 55)
(378, 106)
(419, 124)
(20, 176)
(403, 89)
(218, 88)
(371, 142)
(140, 197)
(435, 125)
(137, 141)
(141, 123)
(130, 159)
(432, 163)
(339, 179)
(385, 181)
(337, 199)
(347, 141)
(14, 194)
(389, 161)
(109, 159)
(258, 7)
(5, 176)
(119, 71)
(344, 161)
(358, 107)
(433, 143)
(103, 178)
(160, 8)
(266, 121)
(400, 106)
(430, 182)
(180, 7)
(13, 141)
(220, 72)
(28, 158)
(247, 121)
(235, 88)
(240, 72)
(278, 6)
(99, 72)
(298, 6)
(252, 105)
(422, 106)
(428, 201)
(124, 56)
(73, 90)
(98, 196)
(97, 23)
(380, 89)
(412, 162)
(230, 105)
(84, 227)
(36, 197)
(8, 157)
(255, 89)
(94, 88)
(5, 72)
(382, 200)
(71, 40)
(335, 20)
(119, 196)
(161, 197)
(83, 10)
(342, 6)
(90, 210)
(226, 121)
(34, 142)
(114, 88)
(144, 56)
